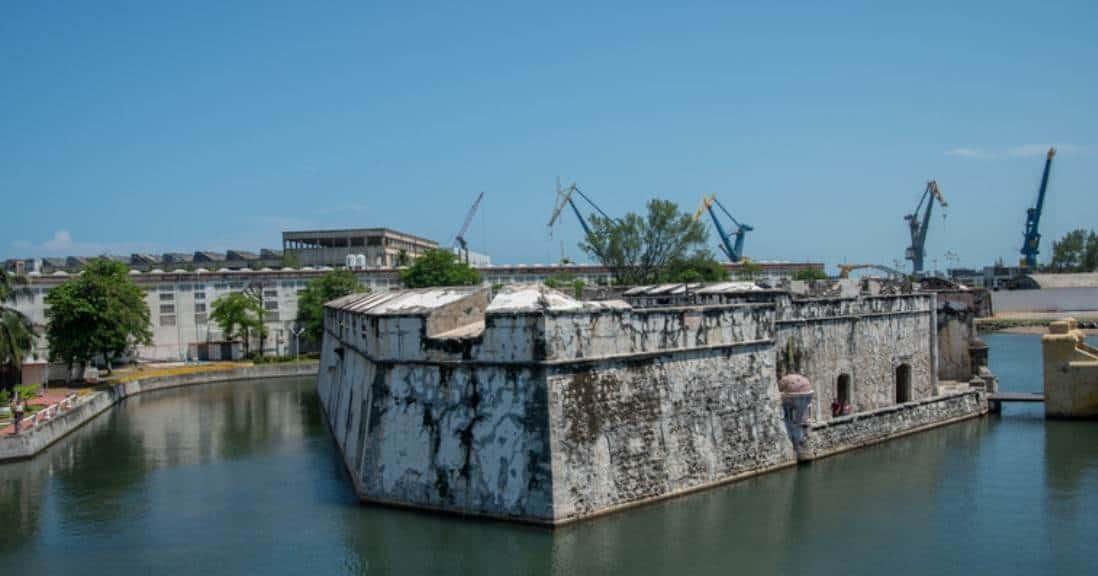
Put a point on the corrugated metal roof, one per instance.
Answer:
(401, 302)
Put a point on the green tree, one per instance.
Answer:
(439, 268)
(101, 313)
(637, 249)
(566, 282)
(310, 303)
(809, 274)
(1068, 252)
(1090, 256)
(749, 269)
(238, 316)
(700, 266)
(16, 330)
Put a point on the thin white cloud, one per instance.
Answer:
(62, 244)
(969, 152)
(1023, 151)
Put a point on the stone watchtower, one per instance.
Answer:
(1070, 372)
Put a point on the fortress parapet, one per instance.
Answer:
(532, 406)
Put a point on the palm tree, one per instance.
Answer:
(16, 330)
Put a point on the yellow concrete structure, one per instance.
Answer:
(1071, 372)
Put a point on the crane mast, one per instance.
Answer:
(733, 249)
(1032, 243)
(565, 197)
(459, 238)
(919, 223)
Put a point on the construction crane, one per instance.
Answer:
(919, 224)
(565, 197)
(733, 249)
(1032, 244)
(459, 238)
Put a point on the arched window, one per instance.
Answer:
(903, 383)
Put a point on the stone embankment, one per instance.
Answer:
(866, 428)
(31, 442)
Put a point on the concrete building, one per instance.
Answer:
(535, 407)
(382, 247)
(179, 295)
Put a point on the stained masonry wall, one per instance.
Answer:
(549, 416)
(865, 338)
(855, 431)
(624, 432)
(523, 420)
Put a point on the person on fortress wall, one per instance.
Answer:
(847, 409)
(836, 408)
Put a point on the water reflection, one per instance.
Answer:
(244, 478)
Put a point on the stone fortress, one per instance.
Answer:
(535, 407)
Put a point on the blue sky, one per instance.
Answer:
(188, 125)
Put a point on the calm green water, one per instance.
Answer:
(243, 479)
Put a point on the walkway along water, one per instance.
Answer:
(73, 413)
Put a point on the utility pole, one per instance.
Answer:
(296, 331)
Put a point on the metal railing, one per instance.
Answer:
(49, 413)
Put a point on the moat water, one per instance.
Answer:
(243, 478)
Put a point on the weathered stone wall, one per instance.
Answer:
(547, 416)
(1070, 369)
(957, 312)
(625, 432)
(548, 412)
(854, 431)
(865, 338)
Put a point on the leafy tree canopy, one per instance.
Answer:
(1077, 251)
(439, 268)
(809, 274)
(310, 304)
(639, 249)
(16, 330)
(102, 312)
(748, 269)
(700, 266)
(238, 315)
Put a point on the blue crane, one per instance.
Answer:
(919, 224)
(459, 238)
(1032, 244)
(733, 249)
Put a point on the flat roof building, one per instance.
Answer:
(382, 247)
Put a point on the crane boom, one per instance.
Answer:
(732, 249)
(920, 223)
(459, 238)
(1032, 244)
(565, 197)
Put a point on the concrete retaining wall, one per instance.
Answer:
(858, 430)
(31, 443)
(1045, 300)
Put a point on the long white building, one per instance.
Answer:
(180, 301)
